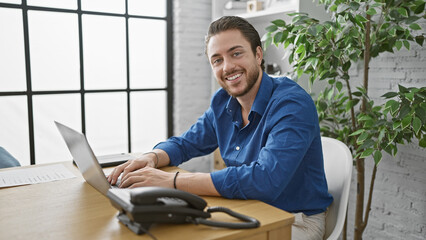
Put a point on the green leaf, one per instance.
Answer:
(417, 125)
(278, 37)
(312, 30)
(420, 40)
(354, 6)
(406, 122)
(361, 18)
(367, 152)
(268, 42)
(271, 28)
(323, 43)
(333, 8)
(403, 89)
(398, 45)
(381, 134)
(415, 26)
(364, 118)
(342, 7)
(371, 11)
(279, 23)
(403, 11)
(339, 86)
(377, 157)
(396, 125)
(357, 132)
(390, 95)
(422, 142)
(421, 113)
(329, 34)
(300, 49)
(362, 137)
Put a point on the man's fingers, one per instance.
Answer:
(116, 172)
(131, 180)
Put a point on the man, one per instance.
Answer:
(266, 129)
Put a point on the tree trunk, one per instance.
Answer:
(358, 230)
(360, 163)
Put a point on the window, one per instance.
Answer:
(103, 67)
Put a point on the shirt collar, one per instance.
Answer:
(260, 102)
(263, 95)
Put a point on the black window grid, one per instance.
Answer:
(30, 93)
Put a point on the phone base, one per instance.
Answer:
(135, 227)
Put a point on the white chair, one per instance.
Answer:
(338, 171)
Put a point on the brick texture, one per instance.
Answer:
(192, 74)
(399, 199)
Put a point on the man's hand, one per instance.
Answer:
(146, 160)
(147, 176)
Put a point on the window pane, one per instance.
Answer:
(14, 127)
(147, 8)
(147, 41)
(104, 44)
(11, 1)
(12, 54)
(106, 122)
(68, 4)
(64, 108)
(112, 6)
(147, 130)
(54, 50)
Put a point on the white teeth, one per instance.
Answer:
(234, 77)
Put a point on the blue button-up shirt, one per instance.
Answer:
(276, 158)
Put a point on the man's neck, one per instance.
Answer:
(247, 100)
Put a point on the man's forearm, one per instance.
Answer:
(196, 183)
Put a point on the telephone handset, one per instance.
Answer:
(141, 207)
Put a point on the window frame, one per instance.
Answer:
(29, 93)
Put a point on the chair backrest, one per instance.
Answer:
(338, 170)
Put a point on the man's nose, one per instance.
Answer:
(228, 66)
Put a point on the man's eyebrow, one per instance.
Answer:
(229, 50)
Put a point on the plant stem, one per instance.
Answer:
(359, 199)
(360, 162)
(370, 197)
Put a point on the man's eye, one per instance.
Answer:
(236, 54)
(216, 61)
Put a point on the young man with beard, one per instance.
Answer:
(266, 129)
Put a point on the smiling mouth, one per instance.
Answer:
(233, 77)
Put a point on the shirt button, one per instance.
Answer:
(237, 148)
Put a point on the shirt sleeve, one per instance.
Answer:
(292, 124)
(199, 140)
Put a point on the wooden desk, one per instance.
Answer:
(72, 209)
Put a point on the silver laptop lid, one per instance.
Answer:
(85, 158)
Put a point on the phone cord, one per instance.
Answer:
(249, 222)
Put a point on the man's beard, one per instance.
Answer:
(252, 77)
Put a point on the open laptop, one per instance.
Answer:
(85, 159)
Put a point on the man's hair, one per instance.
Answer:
(236, 23)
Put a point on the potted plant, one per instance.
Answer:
(325, 51)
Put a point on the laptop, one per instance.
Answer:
(85, 159)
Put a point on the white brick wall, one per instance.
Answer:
(192, 73)
(399, 200)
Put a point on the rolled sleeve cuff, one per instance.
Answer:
(227, 184)
(172, 150)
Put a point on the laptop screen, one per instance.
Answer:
(84, 157)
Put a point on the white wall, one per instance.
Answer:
(192, 73)
(399, 200)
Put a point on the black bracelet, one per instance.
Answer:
(174, 180)
(156, 155)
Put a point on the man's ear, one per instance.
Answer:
(259, 55)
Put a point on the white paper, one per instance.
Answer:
(34, 175)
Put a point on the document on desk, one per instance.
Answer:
(34, 175)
